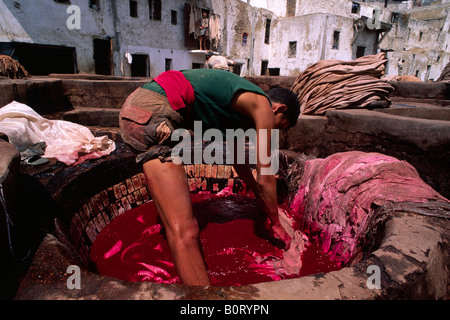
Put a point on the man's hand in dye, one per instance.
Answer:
(280, 234)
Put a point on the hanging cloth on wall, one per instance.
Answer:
(195, 16)
(191, 21)
(214, 29)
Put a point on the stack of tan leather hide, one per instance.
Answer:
(337, 84)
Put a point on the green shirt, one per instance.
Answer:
(214, 91)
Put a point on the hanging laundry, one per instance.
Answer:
(214, 30)
(195, 16)
(129, 57)
(191, 21)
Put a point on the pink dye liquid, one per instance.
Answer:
(133, 246)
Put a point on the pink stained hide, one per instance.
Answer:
(337, 195)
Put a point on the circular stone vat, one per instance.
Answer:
(392, 265)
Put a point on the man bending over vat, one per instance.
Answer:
(220, 100)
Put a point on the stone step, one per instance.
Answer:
(88, 116)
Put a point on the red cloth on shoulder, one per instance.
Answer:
(179, 90)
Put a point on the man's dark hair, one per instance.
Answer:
(289, 98)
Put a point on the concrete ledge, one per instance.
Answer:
(99, 93)
(102, 117)
(44, 95)
(414, 255)
(422, 90)
(268, 82)
(422, 133)
(87, 76)
(307, 136)
(424, 143)
(59, 92)
(419, 113)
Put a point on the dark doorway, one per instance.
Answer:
(264, 69)
(360, 51)
(237, 68)
(139, 66)
(102, 56)
(274, 71)
(41, 60)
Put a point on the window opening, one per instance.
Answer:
(155, 9)
(292, 53)
(174, 17)
(267, 35)
(336, 36)
(133, 9)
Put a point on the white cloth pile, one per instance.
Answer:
(219, 63)
(67, 142)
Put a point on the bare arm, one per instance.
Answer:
(258, 108)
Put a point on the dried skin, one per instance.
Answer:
(11, 68)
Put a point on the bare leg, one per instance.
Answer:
(169, 189)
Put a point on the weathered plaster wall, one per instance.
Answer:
(314, 36)
(337, 7)
(244, 18)
(159, 39)
(45, 22)
(420, 42)
(391, 5)
(239, 20)
(417, 44)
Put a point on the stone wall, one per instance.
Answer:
(44, 95)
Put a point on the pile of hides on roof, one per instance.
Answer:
(338, 198)
(337, 84)
(406, 78)
(11, 68)
(65, 141)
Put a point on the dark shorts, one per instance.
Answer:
(203, 32)
(142, 112)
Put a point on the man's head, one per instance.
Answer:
(285, 105)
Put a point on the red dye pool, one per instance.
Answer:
(233, 239)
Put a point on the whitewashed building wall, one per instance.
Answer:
(417, 45)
